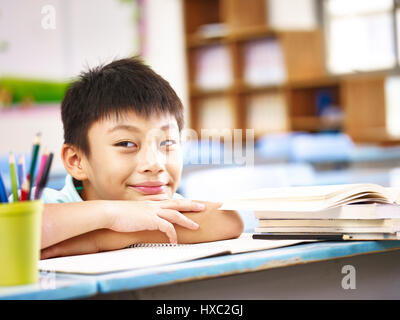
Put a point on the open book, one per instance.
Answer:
(150, 255)
(312, 198)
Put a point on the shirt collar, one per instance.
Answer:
(70, 189)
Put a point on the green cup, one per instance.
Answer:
(20, 233)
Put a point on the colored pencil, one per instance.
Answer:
(45, 176)
(35, 151)
(13, 177)
(42, 164)
(21, 170)
(3, 191)
(25, 188)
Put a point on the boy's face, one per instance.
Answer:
(133, 158)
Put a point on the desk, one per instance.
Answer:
(304, 271)
(51, 286)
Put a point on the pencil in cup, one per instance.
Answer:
(44, 177)
(25, 188)
(35, 152)
(42, 165)
(3, 191)
(21, 170)
(13, 177)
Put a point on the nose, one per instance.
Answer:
(151, 160)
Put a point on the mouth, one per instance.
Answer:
(150, 187)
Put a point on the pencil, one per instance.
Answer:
(25, 188)
(3, 191)
(21, 170)
(35, 151)
(42, 164)
(13, 177)
(45, 176)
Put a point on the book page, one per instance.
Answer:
(310, 193)
(395, 194)
(155, 255)
(310, 198)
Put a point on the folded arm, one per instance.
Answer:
(214, 224)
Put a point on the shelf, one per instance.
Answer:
(313, 123)
(240, 88)
(244, 88)
(249, 33)
(198, 92)
(197, 40)
(315, 83)
(306, 88)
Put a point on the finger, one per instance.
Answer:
(176, 217)
(168, 229)
(182, 205)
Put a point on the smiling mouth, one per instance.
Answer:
(150, 188)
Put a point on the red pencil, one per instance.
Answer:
(25, 188)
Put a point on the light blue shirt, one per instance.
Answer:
(68, 193)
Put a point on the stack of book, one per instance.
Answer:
(332, 212)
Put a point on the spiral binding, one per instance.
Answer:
(155, 245)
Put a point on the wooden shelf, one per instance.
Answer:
(312, 123)
(196, 40)
(359, 98)
(197, 92)
(247, 34)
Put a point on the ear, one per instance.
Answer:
(72, 159)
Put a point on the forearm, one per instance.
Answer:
(214, 225)
(61, 221)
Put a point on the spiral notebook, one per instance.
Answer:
(151, 255)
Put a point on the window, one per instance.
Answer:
(360, 35)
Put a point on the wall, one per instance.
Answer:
(86, 34)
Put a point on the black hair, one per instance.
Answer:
(113, 89)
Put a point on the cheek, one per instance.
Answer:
(114, 167)
(174, 165)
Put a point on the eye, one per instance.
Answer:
(168, 143)
(126, 144)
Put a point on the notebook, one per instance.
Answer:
(312, 198)
(151, 255)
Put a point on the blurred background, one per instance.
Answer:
(317, 80)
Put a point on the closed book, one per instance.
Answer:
(327, 236)
(371, 211)
(328, 229)
(337, 223)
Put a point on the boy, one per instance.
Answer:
(122, 125)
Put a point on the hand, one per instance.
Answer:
(131, 216)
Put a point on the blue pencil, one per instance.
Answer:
(21, 171)
(3, 191)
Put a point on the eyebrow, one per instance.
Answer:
(129, 127)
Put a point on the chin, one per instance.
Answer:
(157, 197)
